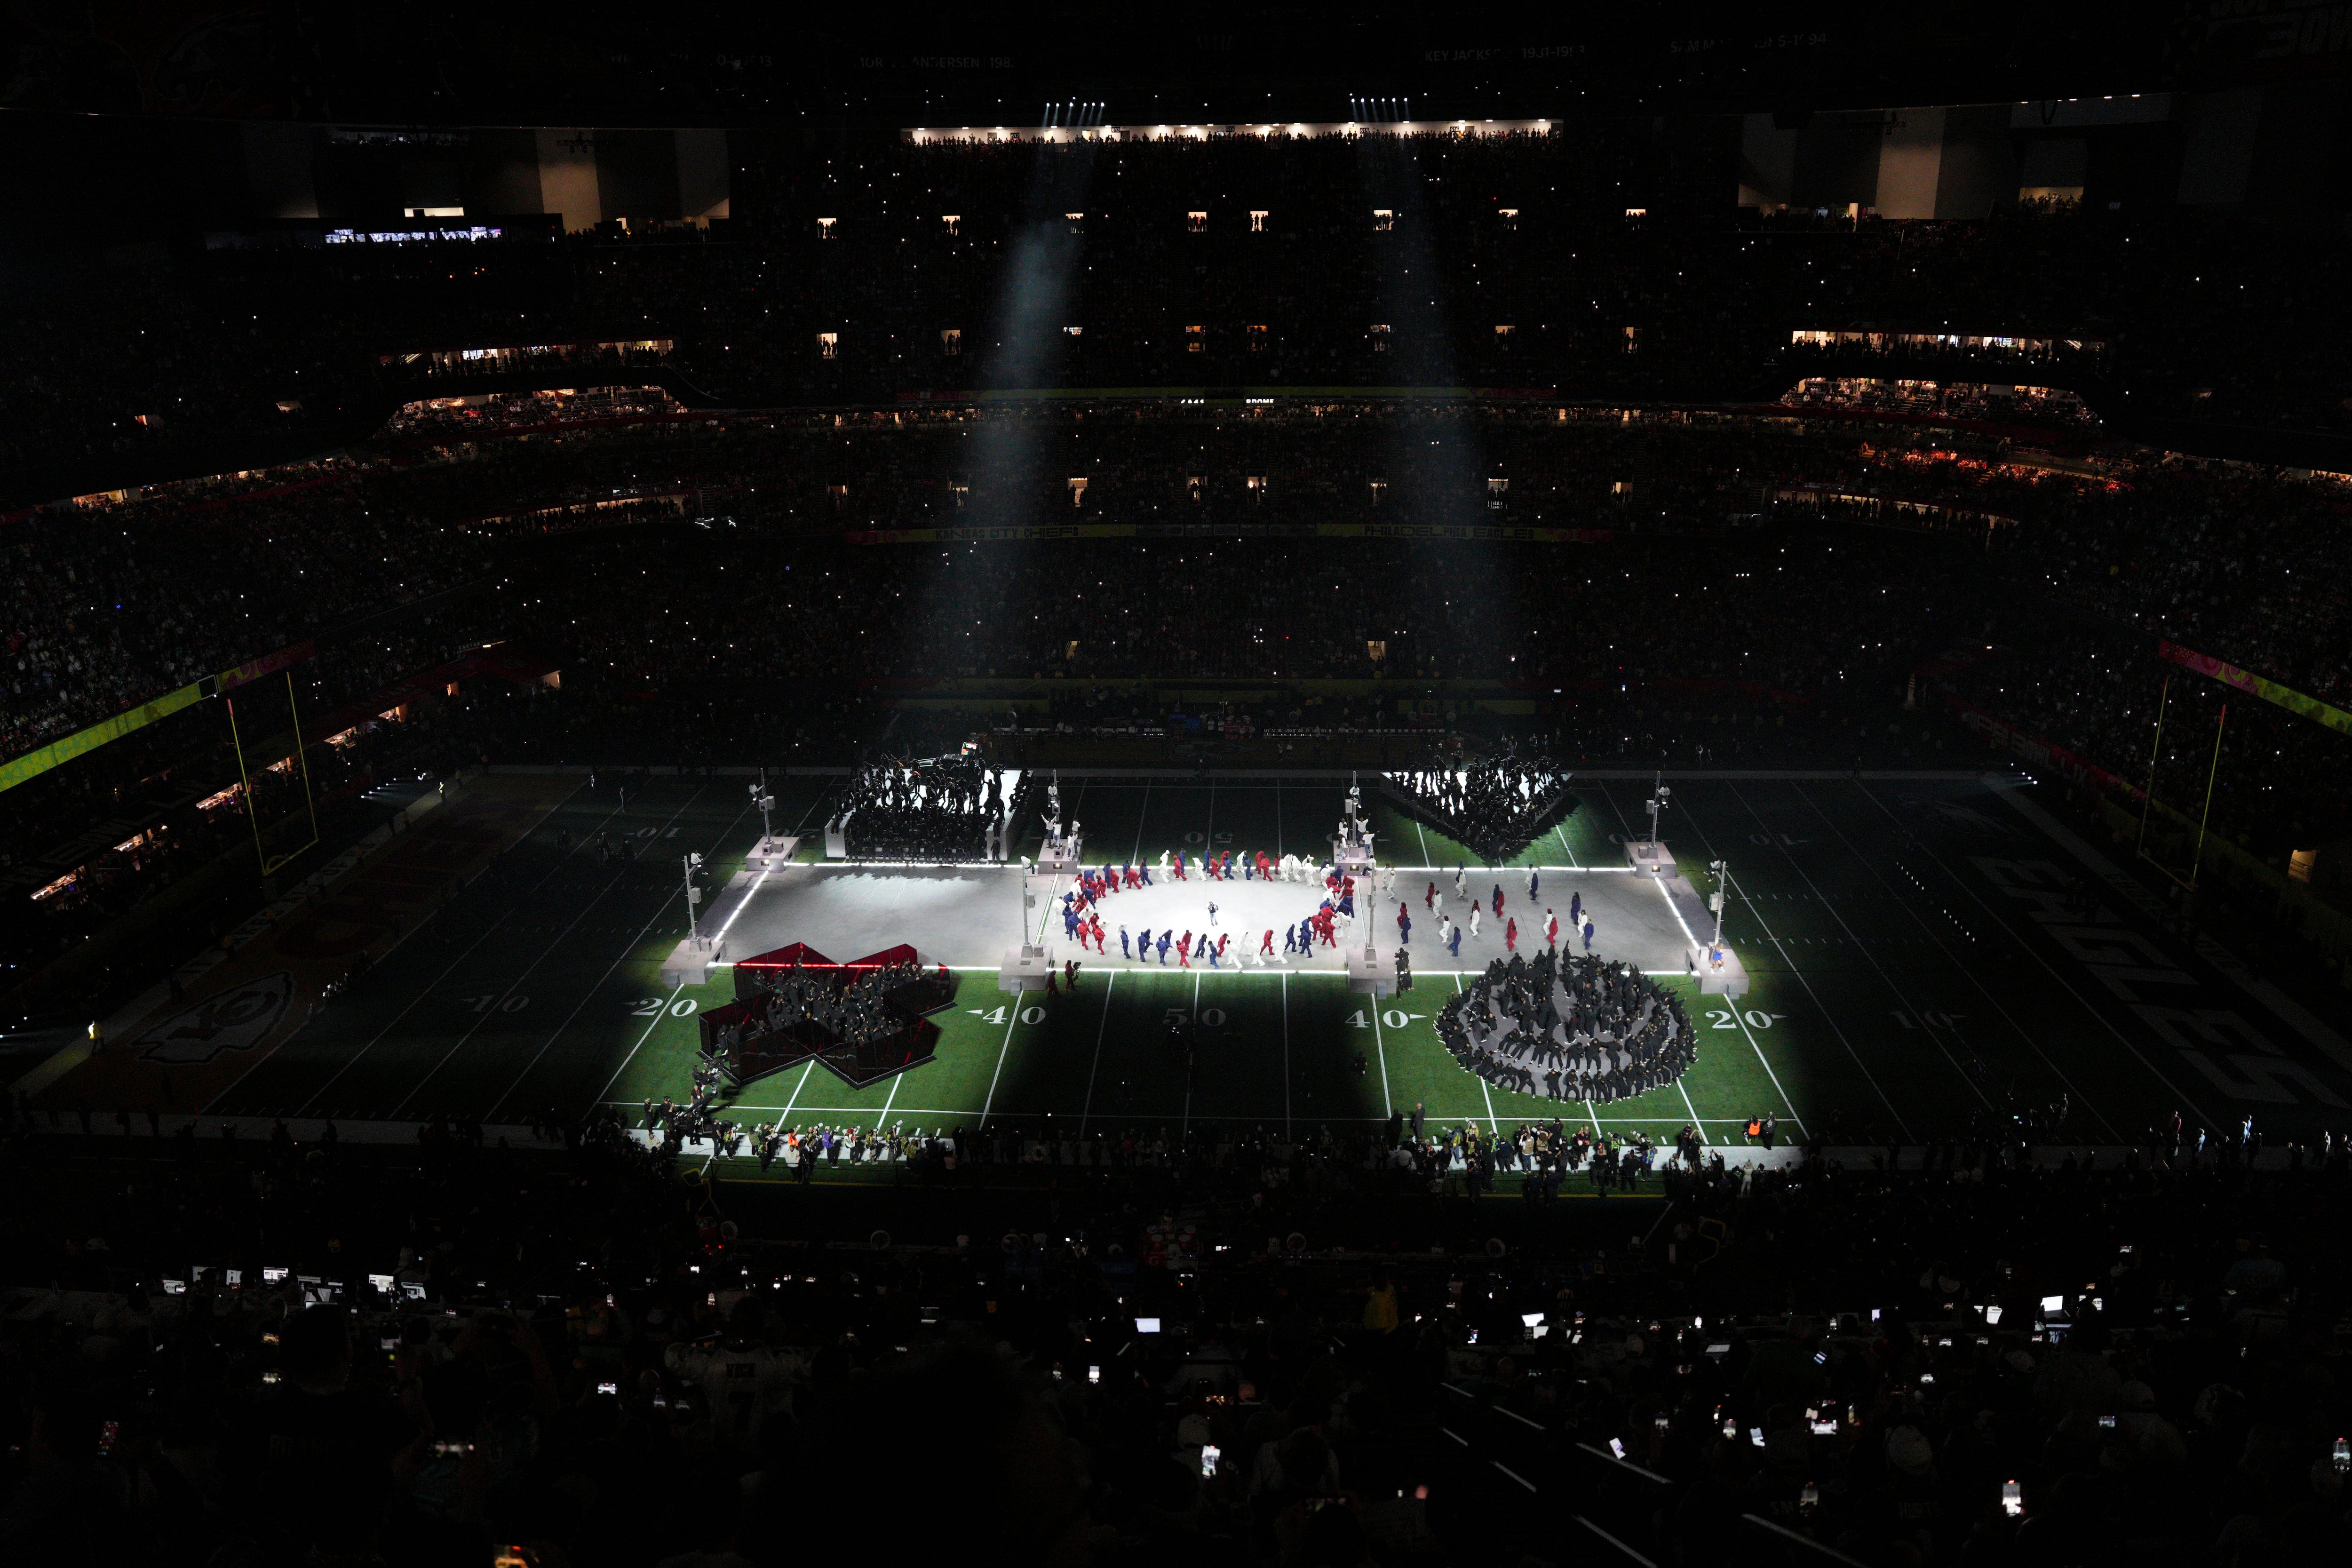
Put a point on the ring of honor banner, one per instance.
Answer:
(2269, 690)
(34, 763)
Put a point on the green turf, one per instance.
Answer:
(1896, 988)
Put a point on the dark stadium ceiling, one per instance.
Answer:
(601, 62)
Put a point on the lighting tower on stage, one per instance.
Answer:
(1648, 856)
(767, 804)
(1718, 970)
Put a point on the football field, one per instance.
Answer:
(1926, 951)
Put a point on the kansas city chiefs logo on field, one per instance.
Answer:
(234, 1020)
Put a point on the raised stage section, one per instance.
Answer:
(861, 1021)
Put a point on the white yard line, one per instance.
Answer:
(787, 1110)
(619, 959)
(1694, 1109)
(1001, 1051)
(1740, 1019)
(1893, 989)
(1087, 1108)
(1904, 1126)
(720, 935)
(1285, 1054)
(1909, 907)
(880, 1119)
(1679, 1085)
(445, 974)
(1189, 1055)
(605, 1093)
(1492, 1125)
(514, 985)
(1380, 1046)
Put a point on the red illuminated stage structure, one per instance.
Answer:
(861, 1021)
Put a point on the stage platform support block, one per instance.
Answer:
(1060, 854)
(770, 852)
(1025, 969)
(1371, 970)
(691, 962)
(836, 840)
(1728, 979)
(1649, 858)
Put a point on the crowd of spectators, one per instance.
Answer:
(1731, 590)
(1990, 403)
(2079, 690)
(115, 605)
(1402, 1345)
(1598, 262)
(251, 572)
(472, 415)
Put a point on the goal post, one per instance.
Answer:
(296, 764)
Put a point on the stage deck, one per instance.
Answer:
(966, 917)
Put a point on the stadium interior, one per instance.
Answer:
(1723, 630)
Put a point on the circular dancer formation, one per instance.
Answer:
(1569, 1027)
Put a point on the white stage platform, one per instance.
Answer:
(969, 917)
(1653, 859)
(770, 852)
(1372, 975)
(1729, 978)
(692, 960)
(1025, 969)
